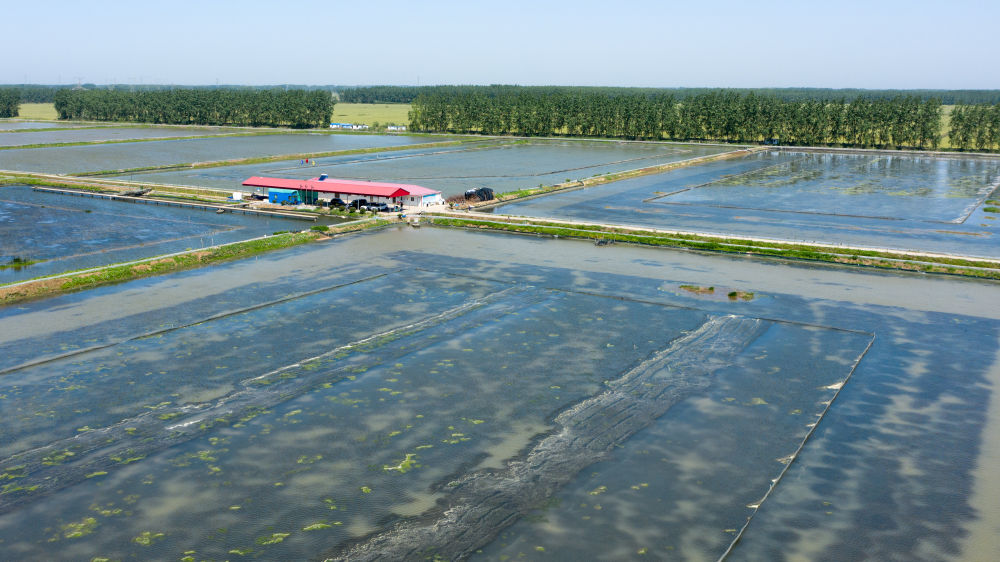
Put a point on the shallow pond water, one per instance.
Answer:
(105, 134)
(92, 158)
(65, 233)
(309, 404)
(503, 167)
(891, 201)
(15, 125)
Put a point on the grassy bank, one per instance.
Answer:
(120, 273)
(871, 258)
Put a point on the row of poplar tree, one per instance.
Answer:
(406, 94)
(902, 121)
(10, 102)
(239, 107)
(975, 127)
(727, 116)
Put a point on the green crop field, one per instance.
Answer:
(371, 113)
(37, 111)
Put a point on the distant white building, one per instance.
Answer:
(396, 128)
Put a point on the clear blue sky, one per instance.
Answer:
(770, 43)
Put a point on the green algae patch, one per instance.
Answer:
(317, 527)
(147, 538)
(80, 528)
(404, 466)
(698, 290)
(273, 538)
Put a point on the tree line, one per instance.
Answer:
(975, 127)
(10, 102)
(720, 115)
(406, 94)
(45, 93)
(199, 106)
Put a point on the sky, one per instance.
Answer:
(691, 43)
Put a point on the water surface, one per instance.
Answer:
(281, 407)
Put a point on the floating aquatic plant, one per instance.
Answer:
(80, 528)
(273, 538)
(404, 466)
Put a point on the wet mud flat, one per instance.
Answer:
(929, 203)
(539, 401)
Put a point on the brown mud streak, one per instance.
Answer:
(484, 503)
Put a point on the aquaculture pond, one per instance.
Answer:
(931, 203)
(64, 233)
(105, 134)
(547, 399)
(503, 166)
(15, 125)
(100, 157)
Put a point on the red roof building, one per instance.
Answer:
(348, 190)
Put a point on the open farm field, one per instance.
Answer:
(38, 111)
(473, 400)
(371, 113)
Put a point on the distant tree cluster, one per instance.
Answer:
(975, 127)
(199, 106)
(10, 102)
(406, 94)
(727, 116)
